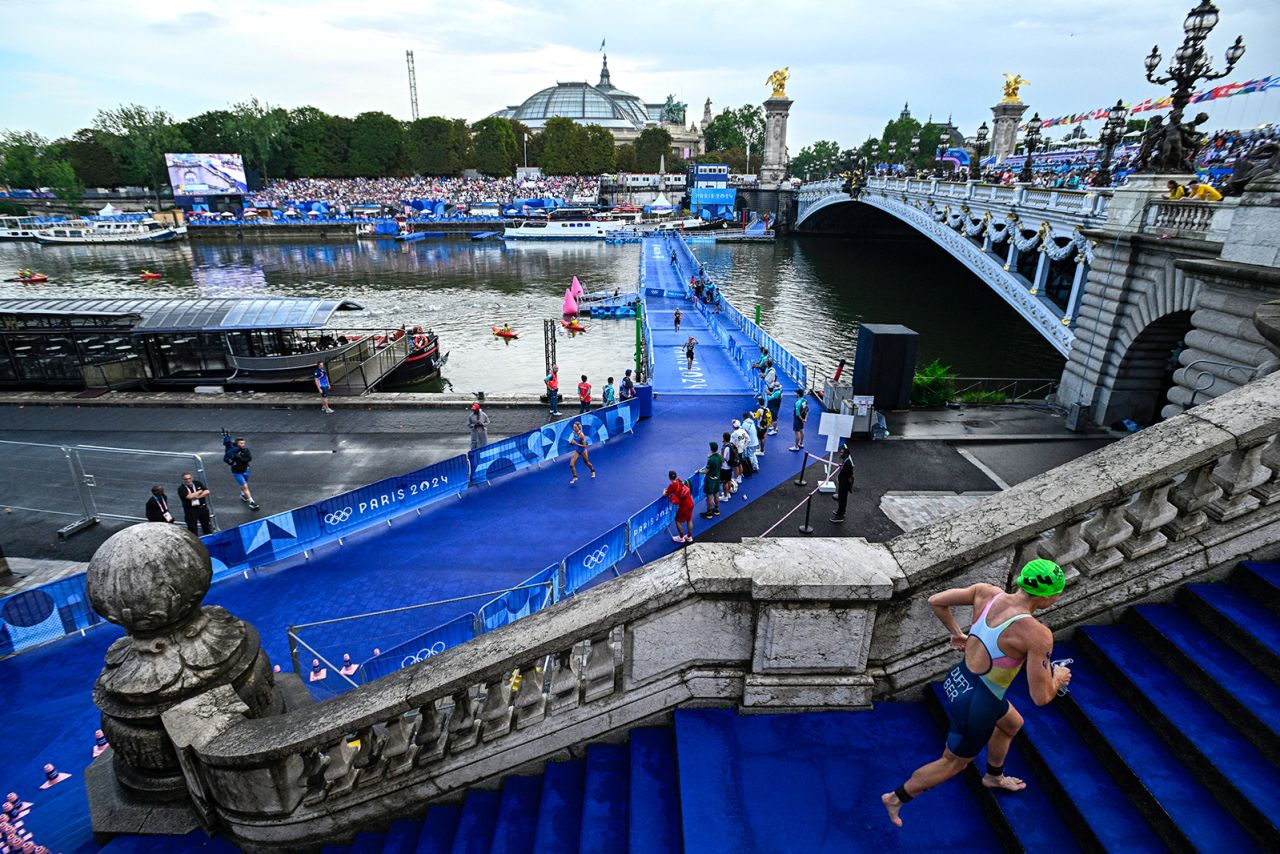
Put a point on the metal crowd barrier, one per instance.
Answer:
(54, 610)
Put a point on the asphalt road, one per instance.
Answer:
(299, 456)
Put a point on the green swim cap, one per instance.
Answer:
(1042, 577)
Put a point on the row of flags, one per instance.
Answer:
(1262, 84)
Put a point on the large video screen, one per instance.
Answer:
(206, 174)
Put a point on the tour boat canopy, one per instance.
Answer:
(186, 315)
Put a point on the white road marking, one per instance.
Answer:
(984, 468)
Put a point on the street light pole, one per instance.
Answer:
(1031, 141)
(1190, 65)
(980, 147)
(1112, 133)
(526, 149)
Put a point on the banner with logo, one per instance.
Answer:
(44, 613)
(597, 556)
(653, 520)
(514, 604)
(424, 646)
(550, 441)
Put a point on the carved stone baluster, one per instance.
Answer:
(1103, 533)
(1268, 492)
(564, 683)
(1238, 474)
(495, 715)
(432, 734)
(1148, 513)
(315, 766)
(531, 702)
(463, 729)
(600, 671)
(370, 762)
(340, 775)
(1196, 492)
(1064, 546)
(400, 748)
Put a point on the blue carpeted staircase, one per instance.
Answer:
(1168, 741)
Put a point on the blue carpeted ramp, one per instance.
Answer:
(812, 783)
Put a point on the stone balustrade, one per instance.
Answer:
(765, 625)
(1185, 218)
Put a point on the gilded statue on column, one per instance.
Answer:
(1012, 83)
(778, 80)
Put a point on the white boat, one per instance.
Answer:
(21, 227)
(108, 231)
(562, 224)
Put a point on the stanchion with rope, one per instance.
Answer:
(806, 528)
(800, 481)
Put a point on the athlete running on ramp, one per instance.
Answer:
(1004, 635)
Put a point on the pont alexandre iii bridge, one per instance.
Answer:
(1151, 301)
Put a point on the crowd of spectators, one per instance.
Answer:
(1225, 147)
(344, 193)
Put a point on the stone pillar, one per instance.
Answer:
(1041, 274)
(1077, 283)
(1005, 117)
(150, 579)
(774, 166)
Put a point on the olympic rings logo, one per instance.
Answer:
(595, 558)
(337, 517)
(423, 654)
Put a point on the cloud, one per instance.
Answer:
(852, 64)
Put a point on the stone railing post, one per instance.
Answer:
(150, 579)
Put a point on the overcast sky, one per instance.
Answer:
(853, 62)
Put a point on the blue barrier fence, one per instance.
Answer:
(45, 613)
(55, 610)
(783, 359)
(565, 578)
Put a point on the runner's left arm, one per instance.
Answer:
(943, 601)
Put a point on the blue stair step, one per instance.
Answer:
(475, 825)
(655, 792)
(517, 816)
(1174, 800)
(1099, 807)
(1031, 817)
(1228, 762)
(812, 782)
(1237, 689)
(1248, 626)
(402, 836)
(560, 815)
(438, 829)
(1260, 580)
(368, 843)
(605, 800)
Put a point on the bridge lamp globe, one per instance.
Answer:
(1201, 20)
(983, 131)
(1153, 60)
(1235, 52)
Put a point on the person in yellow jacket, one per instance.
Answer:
(1202, 192)
(1176, 191)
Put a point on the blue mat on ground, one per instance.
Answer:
(812, 783)
(488, 539)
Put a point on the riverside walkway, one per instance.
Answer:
(490, 538)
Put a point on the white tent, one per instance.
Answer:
(109, 210)
(660, 205)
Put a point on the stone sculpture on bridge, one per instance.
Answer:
(1171, 147)
(1012, 83)
(778, 80)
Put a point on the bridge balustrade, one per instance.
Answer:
(762, 625)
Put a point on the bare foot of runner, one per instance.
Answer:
(891, 806)
(1004, 781)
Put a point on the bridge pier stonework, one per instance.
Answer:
(1004, 128)
(1165, 320)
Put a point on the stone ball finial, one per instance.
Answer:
(149, 577)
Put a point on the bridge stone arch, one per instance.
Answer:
(1008, 237)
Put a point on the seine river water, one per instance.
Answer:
(813, 293)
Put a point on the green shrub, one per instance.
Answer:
(933, 385)
(982, 396)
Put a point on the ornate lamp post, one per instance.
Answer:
(1031, 141)
(980, 148)
(1190, 65)
(893, 151)
(915, 154)
(1112, 133)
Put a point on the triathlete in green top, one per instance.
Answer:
(1004, 635)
